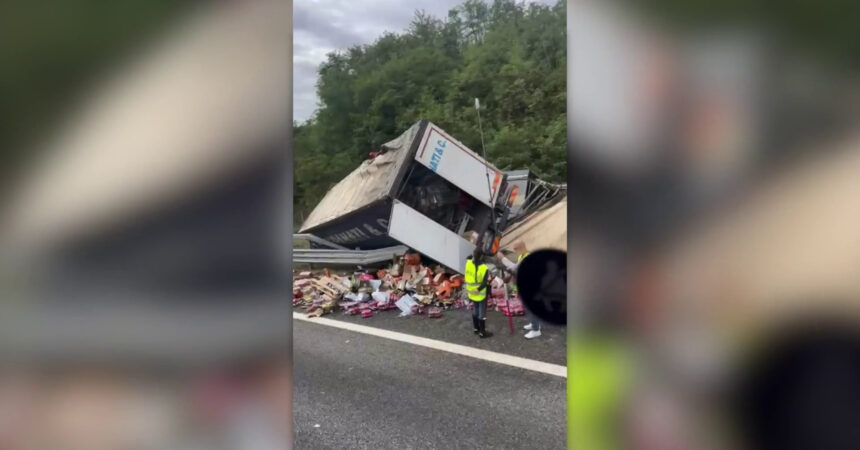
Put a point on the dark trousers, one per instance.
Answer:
(535, 322)
(480, 310)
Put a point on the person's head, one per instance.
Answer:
(520, 247)
(477, 255)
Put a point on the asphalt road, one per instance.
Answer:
(455, 326)
(357, 391)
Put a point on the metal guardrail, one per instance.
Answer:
(347, 257)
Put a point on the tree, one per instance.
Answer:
(508, 54)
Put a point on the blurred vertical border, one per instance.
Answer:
(146, 224)
(713, 153)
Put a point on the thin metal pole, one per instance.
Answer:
(510, 313)
(492, 205)
(486, 168)
(484, 150)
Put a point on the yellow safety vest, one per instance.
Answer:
(519, 261)
(474, 276)
(522, 257)
(599, 377)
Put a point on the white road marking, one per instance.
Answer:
(500, 358)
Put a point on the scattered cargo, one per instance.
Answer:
(407, 286)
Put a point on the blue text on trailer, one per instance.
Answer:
(437, 155)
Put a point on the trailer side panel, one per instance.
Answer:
(429, 238)
(453, 161)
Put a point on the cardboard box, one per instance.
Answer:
(331, 287)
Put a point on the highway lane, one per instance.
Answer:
(357, 391)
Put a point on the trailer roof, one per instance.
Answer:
(370, 182)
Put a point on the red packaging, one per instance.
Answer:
(367, 313)
(516, 308)
(413, 259)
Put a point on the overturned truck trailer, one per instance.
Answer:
(424, 190)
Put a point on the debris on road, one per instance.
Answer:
(407, 286)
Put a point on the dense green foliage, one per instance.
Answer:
(510, 55)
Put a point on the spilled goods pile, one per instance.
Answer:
(406, 286)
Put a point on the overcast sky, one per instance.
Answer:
(321, 26)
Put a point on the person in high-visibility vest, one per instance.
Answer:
(533, 327)
(599, 380)
(477, 287)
